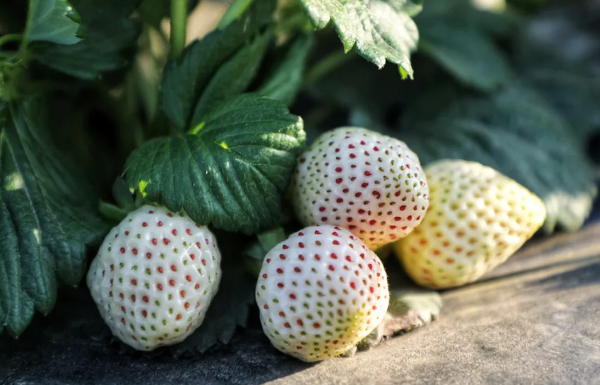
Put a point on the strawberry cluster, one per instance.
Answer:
(322, 290)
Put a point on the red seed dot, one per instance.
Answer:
(159, 287)
(166, 241)
(122, 250)
(300, 322)
(280, 285)
(316, 325)
(285, 247)
(281, 256)
(204, 262)
(292, 296)
(297, 270)
(188, 278)
(126, 233)
(372, 289)
(187, 305)
(134, 282)
(188, 231)
(144, 313)
(287, 325)
(338, 169)
(134, 251)
(280, 271)
(144, 224)
(123, 321)
(145, 298)
(159, 223)
(182, 293)
(178, 317)
(403, 207)
(197, 286)
(154, 241)
(338, 180)
(264, 276)
(174, 232)
(172, 282)
(173, 267)
(321, 209)
(367, 173)
(331, 268)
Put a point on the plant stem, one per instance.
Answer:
(178, 27)
(10, 37)
(233, 12)
(325, 66)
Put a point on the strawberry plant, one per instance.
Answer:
(178, 170)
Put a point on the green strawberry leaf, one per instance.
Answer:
(379, 29)
(285, 77)
(110, 42)
(256, 251)
(185, 80)
(464, 13)
(568, 85)
(53, 21)
(469, 55)
(230, 170)
(230, 307)
(233, 77)
(47, 213)
(517, 133)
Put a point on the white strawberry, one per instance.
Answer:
(154, 277)
(369, 183)
(477, 218)
(320, 292)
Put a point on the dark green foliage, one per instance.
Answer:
(108, 45)
(380, 30)
(517, 133)
(230, 170)
(47, 213)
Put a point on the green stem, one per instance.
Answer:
(325, 66)
(10, 37)
(178, 27)
(234, 11)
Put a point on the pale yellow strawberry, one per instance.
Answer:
(477, 219)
